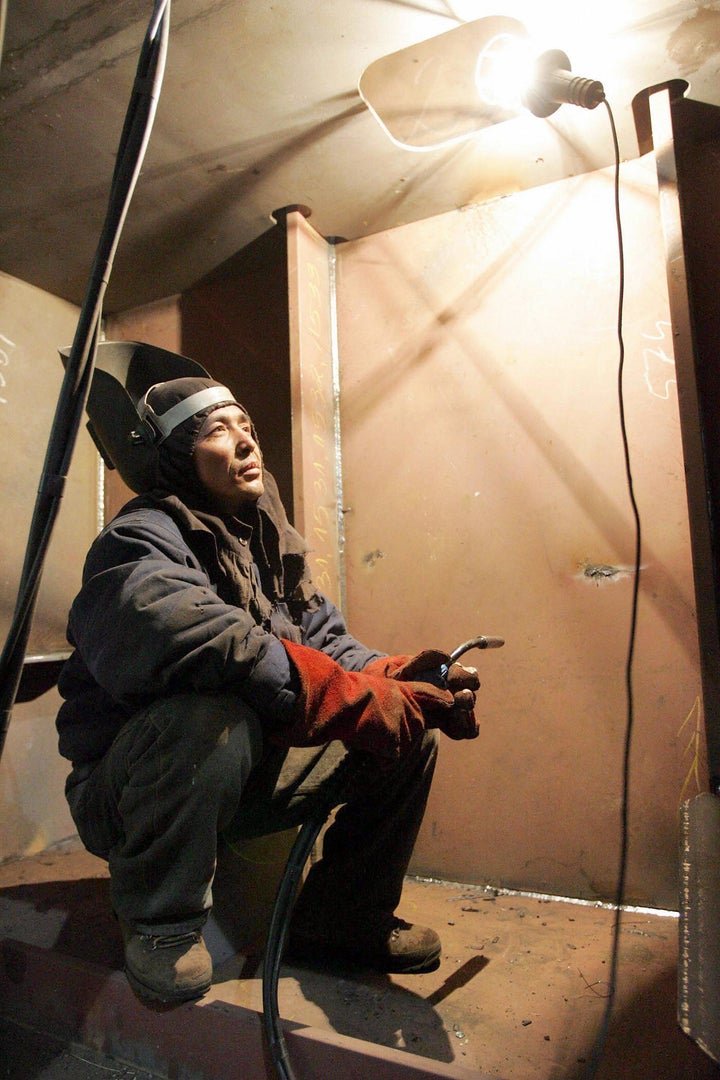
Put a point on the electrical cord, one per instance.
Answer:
(601, 1039)
(79, 368)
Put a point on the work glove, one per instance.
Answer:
(365, 711)
(462, 682)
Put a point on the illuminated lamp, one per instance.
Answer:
(448, 88)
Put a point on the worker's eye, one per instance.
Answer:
(216, 429)
(242, 429)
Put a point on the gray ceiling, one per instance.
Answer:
(259, 109)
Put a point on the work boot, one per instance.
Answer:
(168, 967)
(383, 943)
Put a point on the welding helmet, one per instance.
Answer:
(125, 428)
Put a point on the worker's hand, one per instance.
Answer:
(461, 723)
(426, 667)
(457, 722)
(461, 680)
(363, 709)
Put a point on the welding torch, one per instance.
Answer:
(462, 724)
(480, 642)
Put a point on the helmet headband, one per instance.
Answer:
(165, 423)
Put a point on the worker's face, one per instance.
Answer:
(228, 460)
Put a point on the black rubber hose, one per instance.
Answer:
(78, 371)
(352, 765)
(277, 933)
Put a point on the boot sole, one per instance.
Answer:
(167, 998)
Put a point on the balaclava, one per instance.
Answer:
(278, 551)
(178, 432)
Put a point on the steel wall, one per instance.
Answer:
(485, 492)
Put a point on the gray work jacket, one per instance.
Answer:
(174, 601)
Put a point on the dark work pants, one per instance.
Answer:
(193, 771)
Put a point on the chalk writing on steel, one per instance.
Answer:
(6, 347)
(658, 365)
(693, 723)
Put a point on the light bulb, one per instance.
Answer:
(508, 75)
(504, 70)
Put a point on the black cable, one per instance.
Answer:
(79, 367)
(351, 767)
(601, 1038)
(277, 933)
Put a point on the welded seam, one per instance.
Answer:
(496, 890)
(335, 365)
(100, 495)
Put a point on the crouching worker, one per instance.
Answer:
(213, 691)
